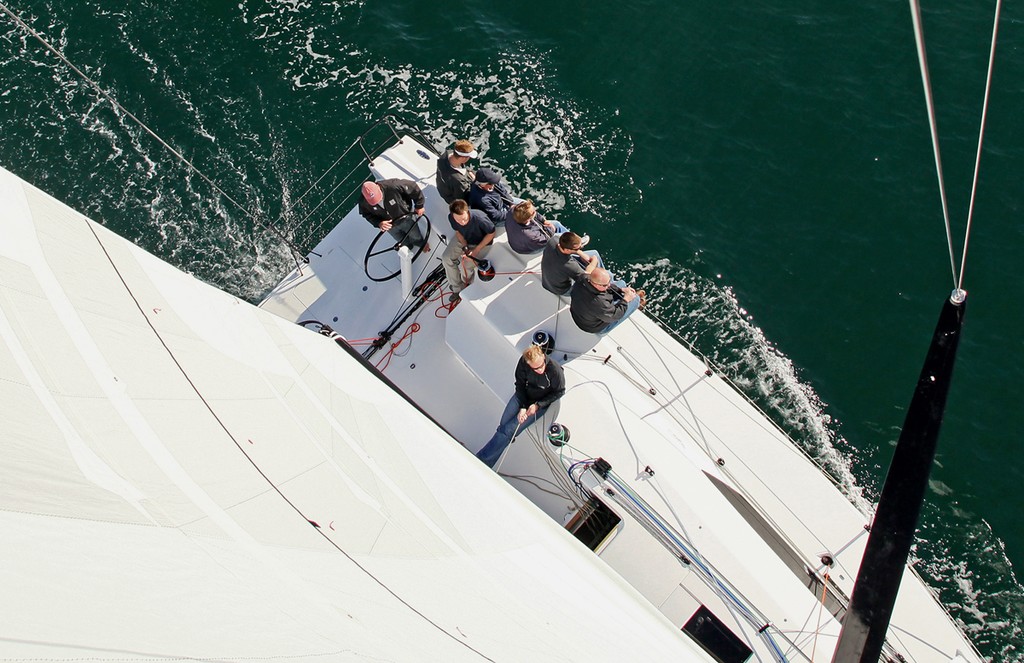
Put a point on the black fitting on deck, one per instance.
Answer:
(382, 339)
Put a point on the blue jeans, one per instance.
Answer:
(630, 307)
(406, 230)
(592, 254)
(506, 428)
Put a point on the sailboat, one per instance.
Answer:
(651, 459)
(188, 476)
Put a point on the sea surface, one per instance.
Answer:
(764, 169)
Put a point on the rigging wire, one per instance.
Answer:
(981, 136)
(296, 253)
(528, 478)
(686, 552)
(670, 408)
(344, 180)
(567, 487)
(326, 172)
(915, 12)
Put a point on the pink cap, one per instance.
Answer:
(372, 193)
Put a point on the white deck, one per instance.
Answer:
(697, 434)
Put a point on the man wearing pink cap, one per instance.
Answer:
(393, 206)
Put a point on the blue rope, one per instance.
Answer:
(697, 561)
(695, 558)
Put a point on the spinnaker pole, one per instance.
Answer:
(892, 532)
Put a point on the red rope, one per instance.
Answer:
(386, 361)
(436, 296)
(467, 275)
(362, 341)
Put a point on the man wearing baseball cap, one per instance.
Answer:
(490, 196)
(453, 177)
(394, 206)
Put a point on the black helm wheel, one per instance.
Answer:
(372, 253)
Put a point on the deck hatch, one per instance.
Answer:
(715, 637)
(593, 523)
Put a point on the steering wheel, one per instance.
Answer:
(371, 253)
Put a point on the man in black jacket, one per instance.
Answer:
(394, 206)
(598, 305)
(539, 383)
(453, 175)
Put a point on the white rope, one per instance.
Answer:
(981, 135)
(915, 12)
(504, 452)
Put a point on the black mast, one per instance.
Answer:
(892, 532)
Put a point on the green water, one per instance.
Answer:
(764, 169)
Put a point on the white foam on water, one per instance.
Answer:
(709, 316)
(977, 583)
(550, 148)
(142, 191)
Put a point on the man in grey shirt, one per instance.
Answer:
(564, 262)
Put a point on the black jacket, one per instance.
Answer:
(452, 184)
(594, 310)
(540, 388)
(401, 197)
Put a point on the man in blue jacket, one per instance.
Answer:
(490, 196)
